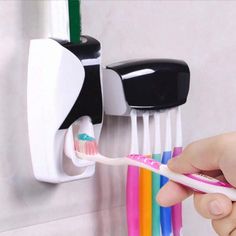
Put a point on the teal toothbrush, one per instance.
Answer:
(155, 177)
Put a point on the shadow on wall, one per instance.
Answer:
(18, 187)
(33, 16)
(114, 129)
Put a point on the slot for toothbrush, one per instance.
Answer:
(82, 126)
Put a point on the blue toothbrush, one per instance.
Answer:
(165, 212)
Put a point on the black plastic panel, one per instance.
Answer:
(87, 49)
(155, 83)
(89, 101)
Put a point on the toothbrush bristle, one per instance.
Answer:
(86, 144)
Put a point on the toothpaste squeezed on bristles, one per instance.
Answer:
(86, 144)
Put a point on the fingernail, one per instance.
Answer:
(215, 208)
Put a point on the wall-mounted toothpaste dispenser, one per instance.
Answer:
(63, 85)
(151, 84)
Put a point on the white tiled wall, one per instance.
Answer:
(199, 32)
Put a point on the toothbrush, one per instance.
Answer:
(75, 20)
(145, 181)
(177, 209)
(156, 178)
(86, 148)
(132, 184)
(197, 182)
(165, 212)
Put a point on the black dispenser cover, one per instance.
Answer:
(154, 83)
(89, 101)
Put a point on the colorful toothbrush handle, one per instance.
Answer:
(165, 212)
(132, 200)
(197, 182)
(155, 207)
(177, 209)
(145, 188)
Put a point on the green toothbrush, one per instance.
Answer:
(75, 20)
(155, 177)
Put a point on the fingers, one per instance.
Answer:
(212, 206)
(200, 155)
(216, 207)
(228, 163)
(172, 193)
(215, 153)
(227, 225)
(233, 233)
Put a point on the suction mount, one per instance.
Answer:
(63, 85)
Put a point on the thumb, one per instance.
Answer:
(202, 155)
(212, 206)
(215, 153)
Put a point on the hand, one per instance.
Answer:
(215, 157)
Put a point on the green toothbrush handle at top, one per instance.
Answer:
(74, 20)
(155, 207)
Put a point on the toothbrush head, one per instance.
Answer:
(86, 144)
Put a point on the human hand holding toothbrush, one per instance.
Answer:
(216, 157)
(211, 156)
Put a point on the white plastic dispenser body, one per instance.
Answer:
(56, 77)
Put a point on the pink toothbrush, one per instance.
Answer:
(86, 148)
(177, 209)
(132, 184)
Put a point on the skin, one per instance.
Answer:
(216, 157)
